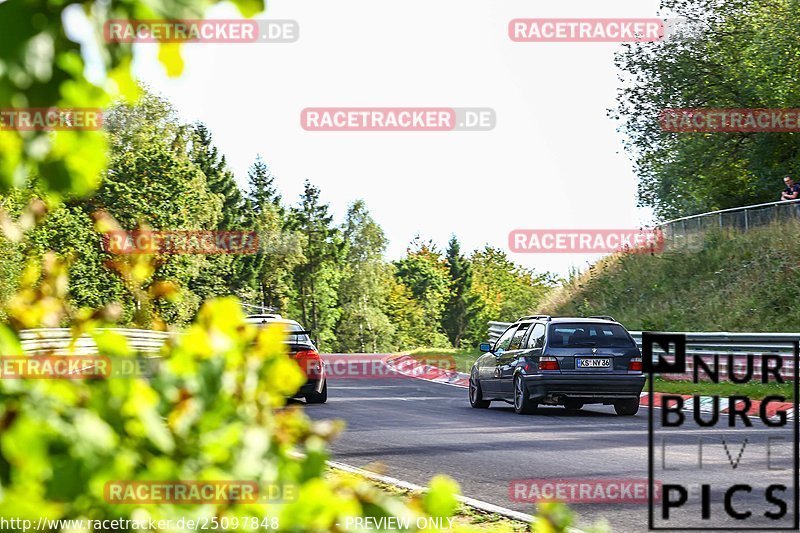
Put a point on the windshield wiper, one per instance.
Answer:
(581, 344)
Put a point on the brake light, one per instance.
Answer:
(548, 363)
(635, 365)
(310, 362)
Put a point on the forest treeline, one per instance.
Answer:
(167, 175)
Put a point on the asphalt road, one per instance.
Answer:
(415, 429)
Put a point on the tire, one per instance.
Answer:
(627, 407)
(475, 394)
(572, 405)
(522, 401)
(318, 397)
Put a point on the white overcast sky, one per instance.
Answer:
(554, 160)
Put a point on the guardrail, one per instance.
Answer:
(496, 329)
(708, 345)
(59, 341)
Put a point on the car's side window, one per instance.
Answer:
(504, 341)
(516, 340)
(536, 338)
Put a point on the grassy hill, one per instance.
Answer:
(727, 281)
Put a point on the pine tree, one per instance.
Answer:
(224, 274)
(261, 189)
(219, 178)
(462, 305)
(317, 277)
(281, 248)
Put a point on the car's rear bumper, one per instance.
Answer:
(588, 389)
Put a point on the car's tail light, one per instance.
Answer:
(310, 362)
(635, 365)
(548, 363)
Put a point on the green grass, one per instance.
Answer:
(754, 391)
(466, 518)
(728, 281)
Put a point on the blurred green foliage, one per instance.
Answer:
(44, 65)
(215, 410)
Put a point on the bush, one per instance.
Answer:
(214, 410)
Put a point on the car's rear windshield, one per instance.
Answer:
(290, 327)
(577, 335)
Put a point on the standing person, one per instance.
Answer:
(792, 190)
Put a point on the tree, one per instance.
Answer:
(407, 316)
(281, 249)
(505, 290)
(317, 277)
(224, 273)
(462, 305)
(363, 325)
(262, 191)
(740, 54)
(68, 230)
(219, 179)
(425, 274)
(153, 182)
(282, 252)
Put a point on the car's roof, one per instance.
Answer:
(271, 319)
(563, 319)
(584, 319)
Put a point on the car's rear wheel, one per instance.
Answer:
(573, 405)
(475, 394)
(318, 397)
(627, 407)
(522, 400)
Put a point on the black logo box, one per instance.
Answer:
(664, 340)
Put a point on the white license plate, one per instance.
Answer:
(593, 363)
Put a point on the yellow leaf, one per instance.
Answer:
(170, 56)
(126, 85)
(248, 8)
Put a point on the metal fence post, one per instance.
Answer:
(746, 224)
